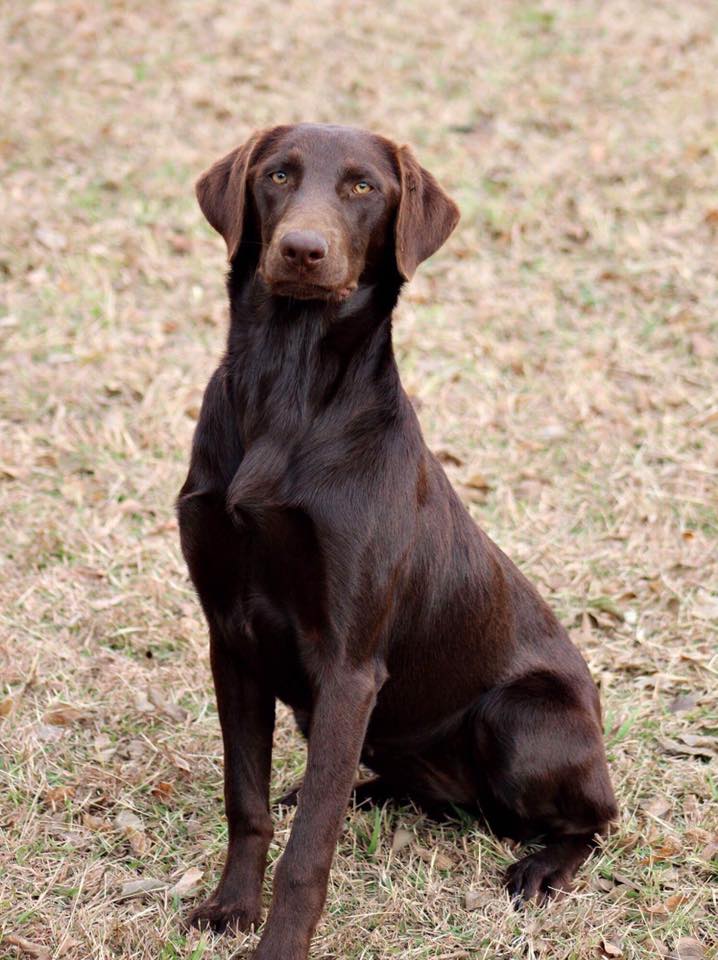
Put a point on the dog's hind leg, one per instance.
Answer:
(540, 750)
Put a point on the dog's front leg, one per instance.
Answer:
(341, 712)
(245, 703)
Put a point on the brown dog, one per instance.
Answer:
(337, 568)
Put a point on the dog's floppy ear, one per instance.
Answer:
(426, 215)
(221, 193)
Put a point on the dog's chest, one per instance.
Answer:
(285, 605)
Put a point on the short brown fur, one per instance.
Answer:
(337, 568)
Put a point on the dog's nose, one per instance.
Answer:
(303, 248)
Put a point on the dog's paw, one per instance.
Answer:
(213, 914)
(537, 877)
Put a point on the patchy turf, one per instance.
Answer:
(561, 350)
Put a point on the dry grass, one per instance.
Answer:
(563, 353)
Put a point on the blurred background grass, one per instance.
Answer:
(561, 351)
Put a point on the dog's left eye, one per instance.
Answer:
(362, 187)
(279, 176)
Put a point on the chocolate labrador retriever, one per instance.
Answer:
(337, 568)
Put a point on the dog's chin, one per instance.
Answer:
(302, 290)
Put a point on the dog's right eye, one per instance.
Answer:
(278, 176)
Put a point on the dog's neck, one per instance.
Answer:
(293, 362)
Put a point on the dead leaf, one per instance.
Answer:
(688, 948)
(629, 841)
(6, 706)
(710, 851)
(57, 796)
(162, 790)
(134, 749)
(473, 899)
(178, 762)
(685, 749)
(51, 239)
(611, 948)
(705, 607)
(603, 884)
(137, 888)
(477, 481)
(692, 809)
(686, 701)
(187, 883)
(63, 714)
(672, 903)
(446, 456)
(92, 573)
(605, 605)
(47, 733)
(657, 807)
(402, 838)
(104, 747)
(142, 704)
(131, 827)
(127, 820)
(139, 844)
(668, 849)
(624, 880)
(108, 602)
(27, 946)
(173, 710)
(696, 740)
(435, 857)
(94, 823)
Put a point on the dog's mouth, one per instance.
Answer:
(303, 290)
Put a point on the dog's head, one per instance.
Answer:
(319, 207)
